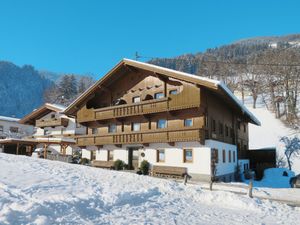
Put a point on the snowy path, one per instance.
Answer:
(39, 191)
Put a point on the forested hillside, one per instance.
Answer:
(21, 89)
(263, 67)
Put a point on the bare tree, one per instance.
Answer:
(292, 149)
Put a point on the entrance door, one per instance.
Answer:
(133, 158)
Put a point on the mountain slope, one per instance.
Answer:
(21, 89)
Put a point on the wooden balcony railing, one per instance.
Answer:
(142, 108)
(157, 136)
(53, 122)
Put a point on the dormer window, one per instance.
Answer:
(52, 116)
(173, 92)
(136, 99)
(159, 95)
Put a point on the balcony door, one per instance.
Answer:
(133, 158)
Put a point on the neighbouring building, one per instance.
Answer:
(139, 111)
(10, 130)
(52, 130)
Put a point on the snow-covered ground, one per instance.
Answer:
(271, 130)
(37, 191)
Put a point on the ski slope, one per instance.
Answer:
(37, 191)
(269, 134)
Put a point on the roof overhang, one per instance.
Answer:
(40, 112)
(213, 85)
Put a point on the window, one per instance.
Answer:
(149, 124)
(231, 133)
(160, 157)
(159, 95)
(94, 131)
(233, 156)
(136, 99)
(122, 127)
(46, 132)
(239, 125)
(93, 155)
(14, 129)
(215, 155)
(110, 155)
(221, 129)
(52, 116)
(213, 125)
(173, 92)
(162, 123)
(1, 129)
(188, 155)
(229, 156)
(135, 126)
(245, 148)
(112, 128)
(245, 128)
(226, 131)
(188, 122)
(224, 156)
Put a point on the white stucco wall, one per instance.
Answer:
(174, 155)
(224, 168)
(85, 154)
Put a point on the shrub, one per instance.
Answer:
(119, 164)
(84, 161)
(145, 167)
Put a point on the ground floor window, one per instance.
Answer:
(110, 155)
(93, 155)
(215, 155)
(160, 155)
(187, 155)
(224, 156)
(233, 156)
(229, 156)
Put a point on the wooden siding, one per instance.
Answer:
(53, 122)
(189, 97)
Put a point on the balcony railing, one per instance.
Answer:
(157, 136)
(53, 122)
(141, 108)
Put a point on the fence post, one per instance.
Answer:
(250, 188)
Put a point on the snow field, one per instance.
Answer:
(36, 191)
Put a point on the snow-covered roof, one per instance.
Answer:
(214, 84)
(58, 106)
(10, 119)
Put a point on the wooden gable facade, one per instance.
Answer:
(138, 103)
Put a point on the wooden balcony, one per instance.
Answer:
(141, 108)
(53, 122)
(157, 136)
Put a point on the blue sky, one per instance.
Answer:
(90, 36)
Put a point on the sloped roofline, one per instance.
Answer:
(40, 111)
(202, 81)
